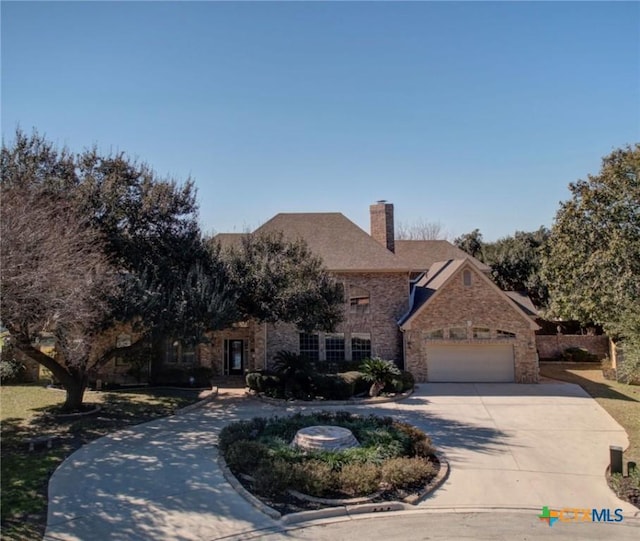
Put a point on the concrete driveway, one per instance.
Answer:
(518, 446)
(509, 446)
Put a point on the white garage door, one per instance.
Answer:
(470, 362)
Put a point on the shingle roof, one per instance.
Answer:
(421, 254)
(341, 244)
(523, 301)
(229, 240)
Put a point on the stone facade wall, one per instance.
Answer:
(476, 305)
(552, 346)
(389, 300)
(213, 354)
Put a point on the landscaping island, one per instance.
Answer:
(385, 461)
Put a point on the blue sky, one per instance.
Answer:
(476, 115)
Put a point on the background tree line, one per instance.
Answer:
(587, 266)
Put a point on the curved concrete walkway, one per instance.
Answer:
(509, 446)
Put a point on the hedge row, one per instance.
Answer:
(340, 386)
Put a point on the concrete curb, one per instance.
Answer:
(314, 403)
(231, 479)
(198, 404)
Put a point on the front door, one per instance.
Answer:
(236, 356)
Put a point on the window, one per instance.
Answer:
(310, 346)
(334, 347)
(360, 346)
(505, 335)
(172, 351)
(435, 335)
(179, 352)
(466, 278)
(358, 300)
(481, 333)
(458, 333)
(187, 353)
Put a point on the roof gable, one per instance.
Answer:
(436, 280)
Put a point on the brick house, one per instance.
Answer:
(425, 304)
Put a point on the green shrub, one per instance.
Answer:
(355, 378)
(393, 386)
(406, 472)
(202, 376)
(379, 373)
(423, 448)
(11, 370)
(578, 355)
(401, 383)
(314, 477)
(252, 380)
(245, 455)
(264, 382)
(331, 387)
(172, 376)
(242, 430)
(628, 371)
(334, 367)
(290, 364)
(359, 479)
(273, 478)
(408, 381)
(419, 444)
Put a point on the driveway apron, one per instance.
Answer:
(509, 446)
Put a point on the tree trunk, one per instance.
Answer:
(75, 395)
(74, 383)
(376, 388)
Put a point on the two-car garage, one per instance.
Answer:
(470, 362)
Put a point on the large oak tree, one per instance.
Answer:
(593, 262)
(92, 243)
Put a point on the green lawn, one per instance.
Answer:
(620, 400)
(23, 412)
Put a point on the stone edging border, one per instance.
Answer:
(343, 509)
(335, 501)
(67, 416)
(231, 479)
(199, 403)
(359, 402)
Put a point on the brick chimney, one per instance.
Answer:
(382, 224)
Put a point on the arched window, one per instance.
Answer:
(481, 333)
(458, 333)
